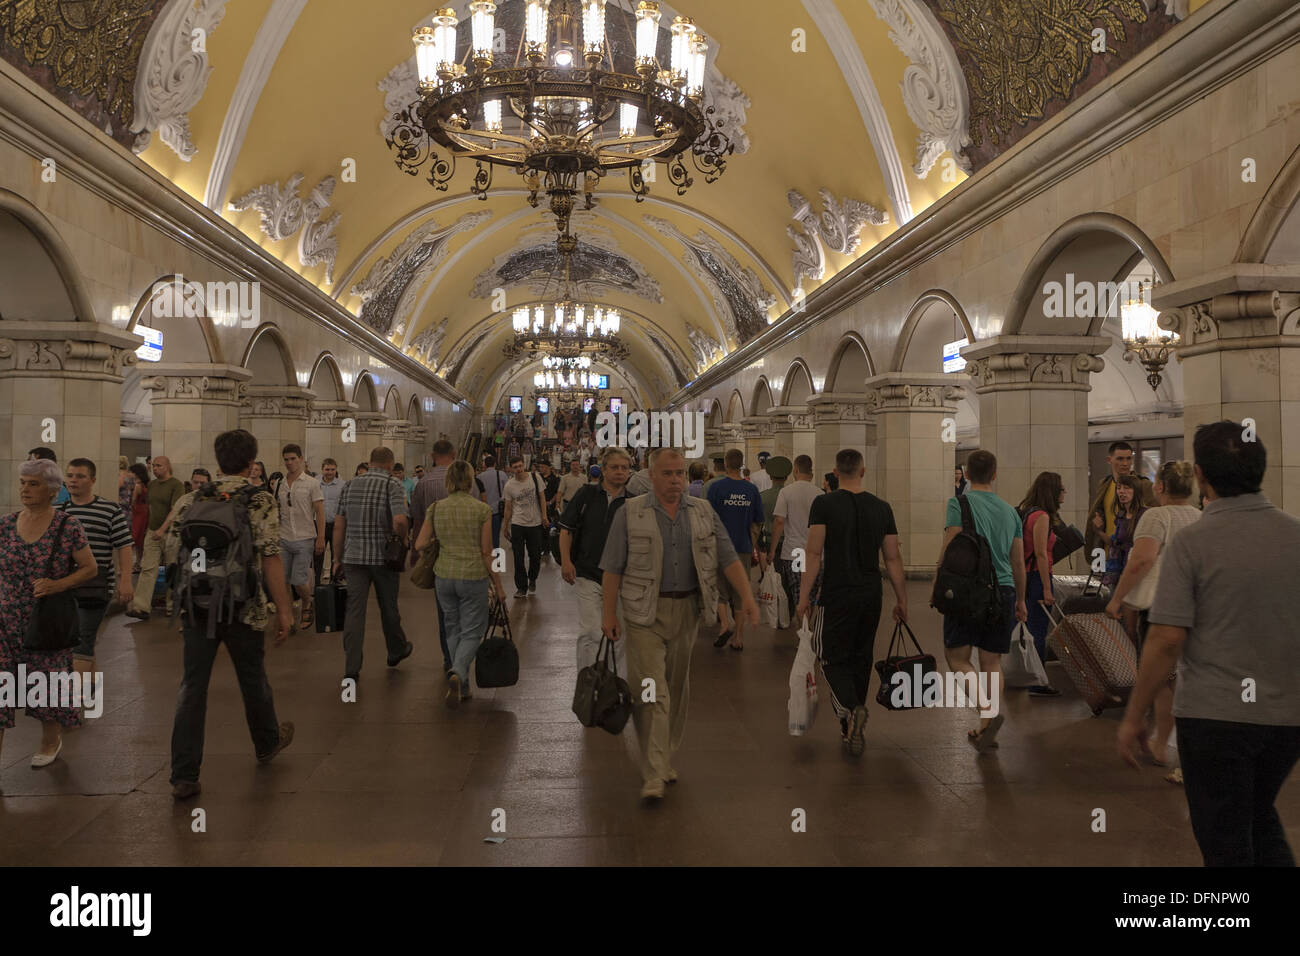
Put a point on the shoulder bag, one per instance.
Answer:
(913, 667)
(395, 549)
(54, 625)
(422, 575)
(496, 664)
(96, 589)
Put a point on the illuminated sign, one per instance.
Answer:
(516, 404)
(151, 351)
(615, 404)
(952, 360)
(543, 405)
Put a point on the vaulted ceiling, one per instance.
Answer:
(850, 118)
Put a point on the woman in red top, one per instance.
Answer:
(1040, 508)
(139, 510)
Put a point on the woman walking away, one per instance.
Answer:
(462, 526)
(139, 511)
(1040, 510)
(1136, 589)
(1128, 511)
(42, 552)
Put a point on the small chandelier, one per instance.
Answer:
(573, 362)
(563, 380)
(1144, 340)
(572, 107)
(566, 327)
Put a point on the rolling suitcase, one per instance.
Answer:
(1076, 594)
(330, 602)
(1097, 655)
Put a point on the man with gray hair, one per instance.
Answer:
(584, 528)
(662, 560)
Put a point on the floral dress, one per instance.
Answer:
(20, 564)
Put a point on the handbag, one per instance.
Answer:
(94, 591)
(1021, 666)
(54, 624)
(422, 575)
(496, 664)
(395, 547)
(602, 698)
(913, 667)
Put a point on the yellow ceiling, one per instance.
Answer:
(321, 105)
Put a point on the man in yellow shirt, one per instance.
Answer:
(1101, 514)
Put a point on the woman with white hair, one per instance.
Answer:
(42, 552)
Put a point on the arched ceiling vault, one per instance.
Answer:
(861, 108)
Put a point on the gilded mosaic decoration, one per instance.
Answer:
(85, 50)
(1025, 59)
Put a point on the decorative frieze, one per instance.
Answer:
(97, 352)
(790, 418)
(277, 401)
(831, 408)
(912, 392)
(1014, 362)
(839, 227)
(1257, 319)
(198, 384)
(756, 427)
(282, 214)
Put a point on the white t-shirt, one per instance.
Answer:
(760, 479)
(793, 504)
(298, 520)
(569, 486)
(522, 496)
(1161, 524)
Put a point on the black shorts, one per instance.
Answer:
(995, 639)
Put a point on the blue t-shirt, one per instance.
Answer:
(738, 505)
(997, 521)
(63, 495)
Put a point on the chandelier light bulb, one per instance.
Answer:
(564, 59)
(426, 57)
(683, 30)
(698, 61)
(593, 29)
(647, 33)
(482, 24)
(444, 39)
(628, 116)
(535, 22)
(492, 115)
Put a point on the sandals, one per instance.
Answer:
(722, 638)
(986, 739)
(307, 617)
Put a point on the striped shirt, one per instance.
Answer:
(106, 530)
(458, 523)
(368, 505)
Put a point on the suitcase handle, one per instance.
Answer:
(1049, 608)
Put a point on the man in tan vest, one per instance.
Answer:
(662, 557)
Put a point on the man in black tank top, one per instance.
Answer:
(847, 531)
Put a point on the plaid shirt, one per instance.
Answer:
(368, 504)
(458, 523)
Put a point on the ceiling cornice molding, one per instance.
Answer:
(258, 64)
(835, 31)
(1226, 39)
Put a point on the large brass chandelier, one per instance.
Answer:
(566, 328)
(572, 106)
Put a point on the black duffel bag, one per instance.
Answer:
(913, 667)
(54, 624)
(497, 662)
(602, 698)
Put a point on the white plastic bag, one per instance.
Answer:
(803, 684)
(783, 608)
(765, 595)
(1021, 666)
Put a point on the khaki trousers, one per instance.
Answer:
(662, 652)
(150, 561)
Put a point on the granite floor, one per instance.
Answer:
(396, 778)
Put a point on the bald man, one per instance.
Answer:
(164, 492)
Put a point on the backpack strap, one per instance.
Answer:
(967, 516)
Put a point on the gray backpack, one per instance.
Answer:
(216, 566)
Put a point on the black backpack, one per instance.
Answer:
(226, 578)
(966, 585)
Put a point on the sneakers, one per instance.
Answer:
(286, 738)
(521, 594)
(1044, 691)
(394, 661)
(184, 789)
(532, 587)
(652, 790)
(453, 691)
(857, 729)
(138, 615)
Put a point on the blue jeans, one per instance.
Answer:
(89, 615)
(464, 605)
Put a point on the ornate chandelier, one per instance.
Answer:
(573, 328)
(1144, 340)
(563, 380)
(577, 362)
(572, 107)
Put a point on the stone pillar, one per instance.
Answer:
(418, 446)
(61, 387)
(277, 416)
(792, 431)
(395, 434)
(325, 433)
(839, 421)
(370, 433)
(1240, 353)
(192, 405)
(713, 446)
(731, 435)
(1033, 394)
(757, 432)
(915, 462)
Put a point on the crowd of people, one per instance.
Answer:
(655, 553)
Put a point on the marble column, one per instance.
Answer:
(843, 420)
(731, 435)
(277, 416)
(757, 432)
(325, 436)
(370, 433)
(1033, 400)
(792, 431)
(418, 447)
(913, 413)
(192, 405)
(713, 446)
(1240, 355)
(61, 387)
(395, 435)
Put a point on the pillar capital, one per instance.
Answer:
(790, 418)
(69, 350)
(1020, 362)
(329, 413)
(1235, 320)
(756, 426)
(278, 401)
(370, 421)
(197, 383)
(913, 392)
(831, 407)
(397, 428)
